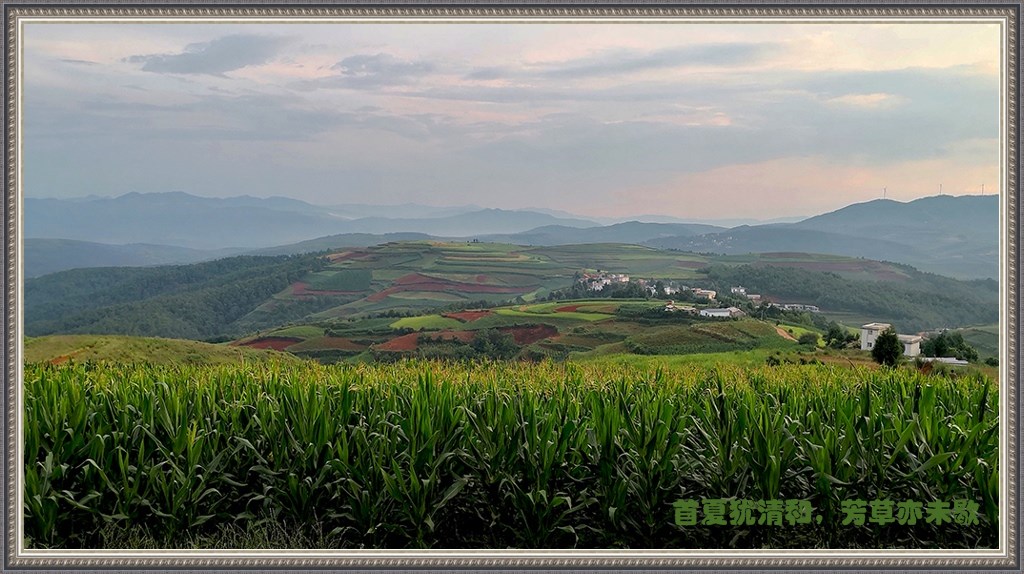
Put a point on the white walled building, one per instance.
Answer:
(911, 345)
(870, 332)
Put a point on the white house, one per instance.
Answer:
(911, 345)
(725, 313)
(870, 332)
(741, 290)
(708, 293)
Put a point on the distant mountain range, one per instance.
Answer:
(43, 256)
(956, 236)
(183, 220)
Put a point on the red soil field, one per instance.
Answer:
(275, 343)
(468, 316)
(403, 343)
(339, 343)
(567, 309)
(527, 335)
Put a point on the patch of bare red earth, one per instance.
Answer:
(275, 343)
(341, 343)
(468, 316)
(403, 343)
(528, 335)
(417, 282)
(567, 309)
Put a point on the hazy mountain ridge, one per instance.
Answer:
(950, 235)
(43, 256)
(183, 220)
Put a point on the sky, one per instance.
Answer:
(686, 119)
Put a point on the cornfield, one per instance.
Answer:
(498, 455)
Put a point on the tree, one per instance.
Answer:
(809, 338)
(838, 337)
(888, 349)
(947, 344)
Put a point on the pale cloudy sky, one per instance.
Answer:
(693, 120)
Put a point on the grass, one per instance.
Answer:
(80, 348)
(570, 315)
(493, 455)
(300, 331)
(427, 322)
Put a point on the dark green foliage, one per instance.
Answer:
(888, 349)
(949, 344)
(182, 301)
(494, 344)
(923, 302)
(838, 337)
(810, 339)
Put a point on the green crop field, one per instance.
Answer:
(431, 322)
(494, 455)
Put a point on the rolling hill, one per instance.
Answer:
(235, 296)
(44, 256)
(950, 235)
(629, 232)
(60, 348)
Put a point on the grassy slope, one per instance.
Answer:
(60, 348)
(984, 339)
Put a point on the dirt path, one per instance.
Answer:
(784, 334)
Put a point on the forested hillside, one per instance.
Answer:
(182, 301)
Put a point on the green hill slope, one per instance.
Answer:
(232, 297)
(61, 348)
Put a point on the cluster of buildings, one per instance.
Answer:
(797, 307)
(725, 312)
(742, 292)
(598, 281)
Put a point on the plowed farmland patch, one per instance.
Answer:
(403, 343)
(275, 343)
(531, 334)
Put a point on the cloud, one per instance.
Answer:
(368, 72)
(873, 100)
(215, 57)
(624, 62)
(609, 63)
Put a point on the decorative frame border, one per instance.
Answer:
(1009, 12)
